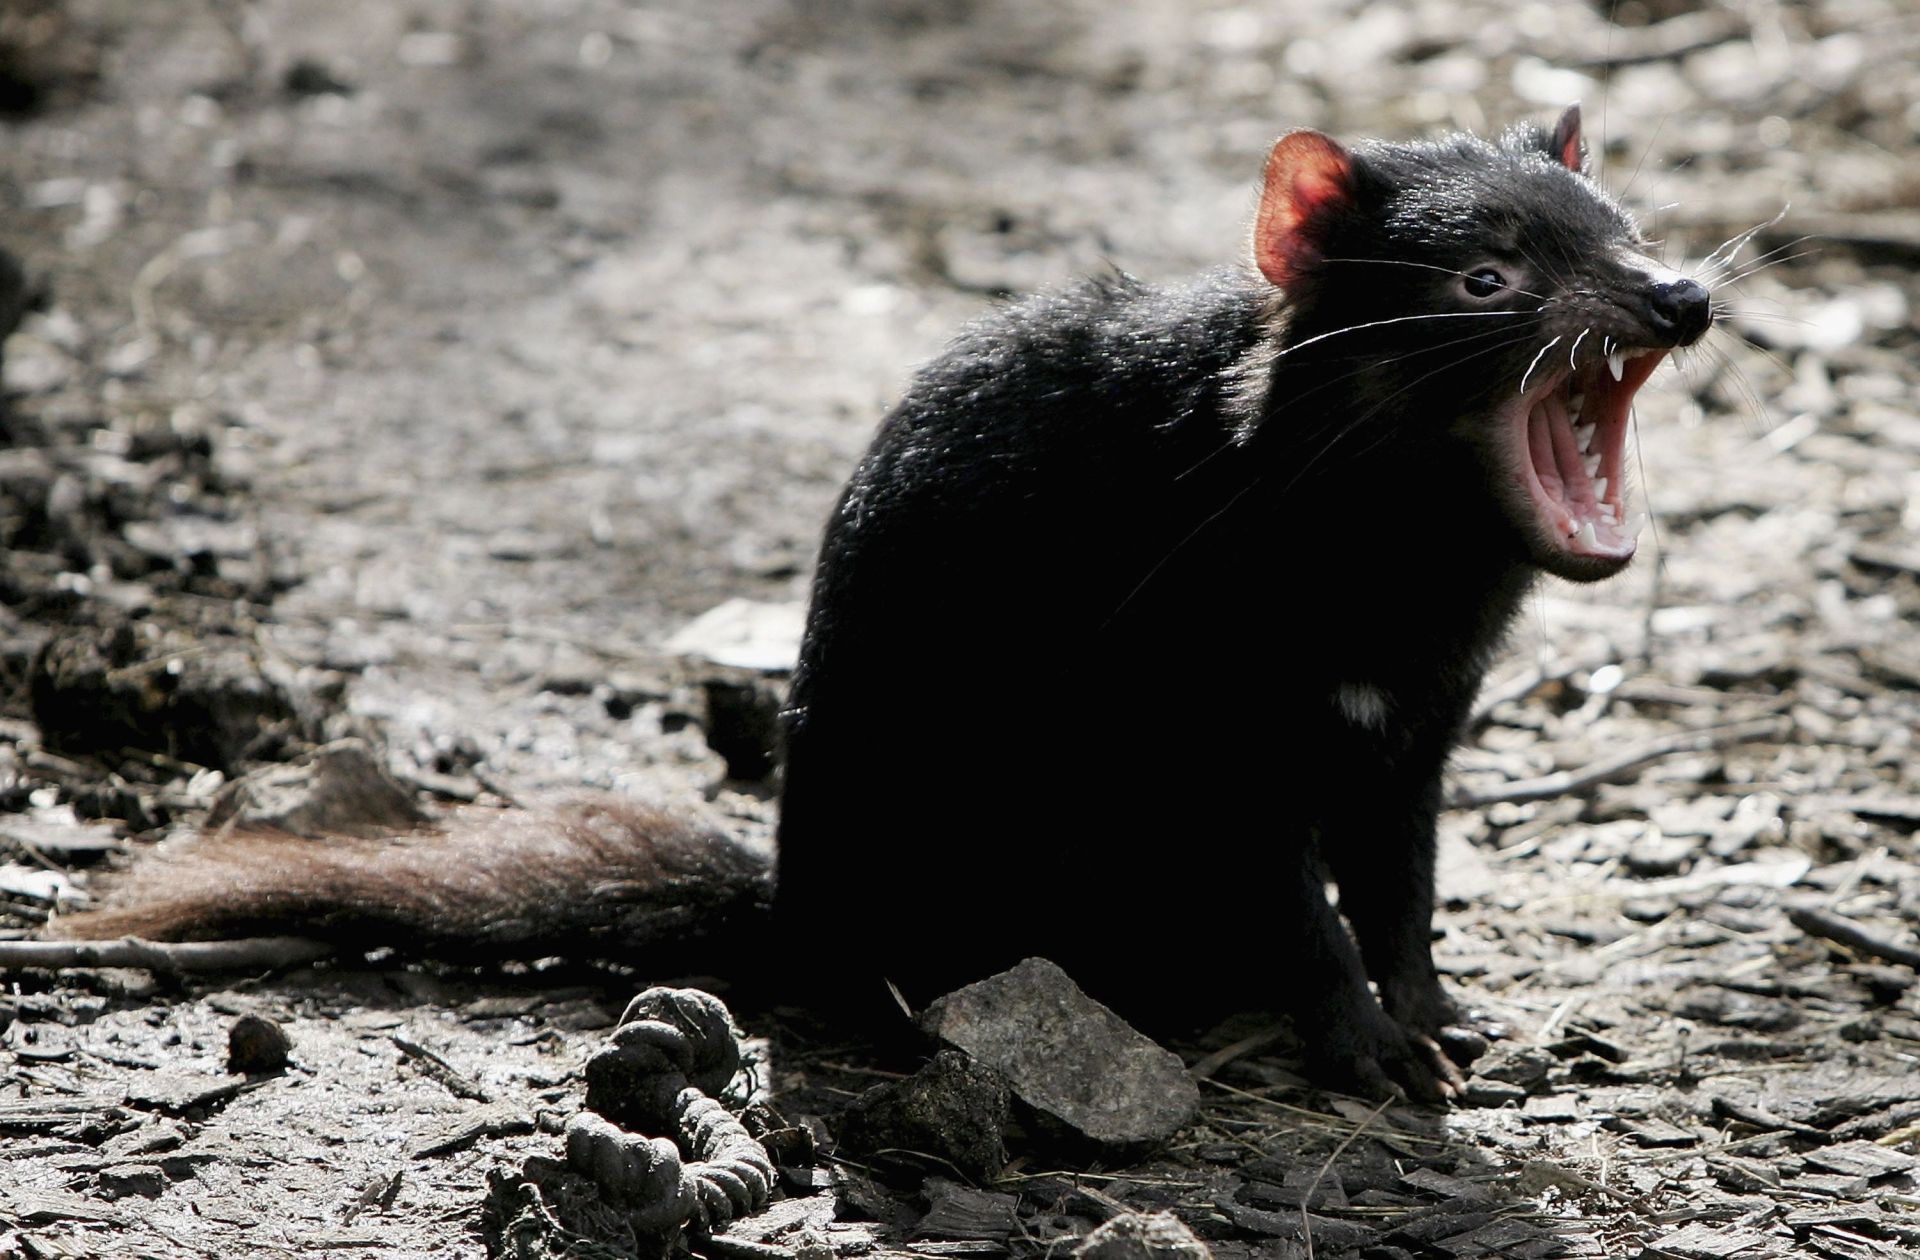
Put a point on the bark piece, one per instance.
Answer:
(957, 1211)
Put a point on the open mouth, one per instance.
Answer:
(1569, 439)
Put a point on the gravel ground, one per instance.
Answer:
(415, 371)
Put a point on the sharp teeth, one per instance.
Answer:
(1617, 363)
(1591, 463)
(1588, 537)
(1599, 487)
(1608, 514)
(1584, 435)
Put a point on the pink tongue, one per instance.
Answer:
(1555, 457)
(1577, 487)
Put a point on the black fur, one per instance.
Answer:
(1136, 623)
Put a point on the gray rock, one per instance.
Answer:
(953, 1109)
(336, 789)
(1136, 1236)
(1087, 1074)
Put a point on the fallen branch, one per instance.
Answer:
(1561, 782)
(491, 1125)
(248, 954)
(1760, 1118)
(1206, 1067)
(1517, 688)
(1832, 927)
(1664, 41)
(1883, 231)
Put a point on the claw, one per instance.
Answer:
(1452, 1084)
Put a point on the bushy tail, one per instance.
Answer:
(591, 873)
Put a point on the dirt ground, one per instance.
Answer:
(417, 369)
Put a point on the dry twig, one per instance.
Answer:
(182, 957)
(1841, 931)
(1608, 768)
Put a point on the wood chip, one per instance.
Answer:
(1827, 1185)
(957, 1211)
(1552, 1109)
(1702, 1241)
(1861, 1159)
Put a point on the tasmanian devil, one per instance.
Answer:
(1148, 611)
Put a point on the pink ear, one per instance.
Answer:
(1308, 177)
(1566, 147)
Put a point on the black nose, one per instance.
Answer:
(1681, 311)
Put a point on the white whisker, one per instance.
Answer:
(1536, 363)
(1398, 319)
(1574, 349)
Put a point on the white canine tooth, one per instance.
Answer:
(1588, 537)
(1584, 434)
(1617, 363)
(1599, 487)
(1591, 463)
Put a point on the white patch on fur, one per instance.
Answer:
(1362, 704)
(1250, 378)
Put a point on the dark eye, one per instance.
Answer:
(1484, 283)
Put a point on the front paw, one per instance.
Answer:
(1426, 1013)
(1375, 1057)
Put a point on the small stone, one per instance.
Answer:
(256, 1046)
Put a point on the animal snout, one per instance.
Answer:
(1680, 311)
